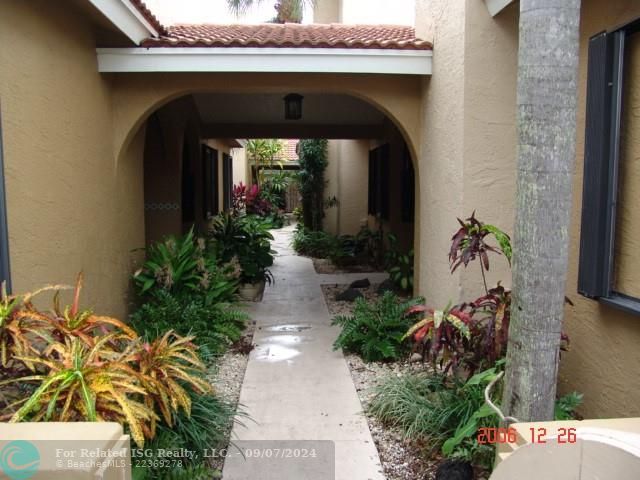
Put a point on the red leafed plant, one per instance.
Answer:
(469, 243)
(472, 335)
(249, 200)
(443, 337)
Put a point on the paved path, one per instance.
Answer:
(297, 388)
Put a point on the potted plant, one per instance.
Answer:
(248, 239)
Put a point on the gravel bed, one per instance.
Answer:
(401, 460)
(227, 374)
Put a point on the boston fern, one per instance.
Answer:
(375, 331)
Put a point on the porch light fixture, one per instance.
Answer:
(293, 106)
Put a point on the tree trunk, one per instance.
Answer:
(547, 83)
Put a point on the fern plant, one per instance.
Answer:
(376, 330)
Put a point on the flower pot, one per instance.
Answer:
(252, 292)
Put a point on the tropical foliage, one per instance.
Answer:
(399, 264)
(376, 330)
(247, 240)
(184, 267)
(313, 158)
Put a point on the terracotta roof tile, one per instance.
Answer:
(292, 35)
(149, 16)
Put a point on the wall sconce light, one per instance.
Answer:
(293, 106)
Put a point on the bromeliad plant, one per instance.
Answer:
(185, 267)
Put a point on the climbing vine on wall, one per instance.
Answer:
(311, 181)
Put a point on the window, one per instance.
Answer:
(5, 271)
(209, 181)
(227, 180)
(378, 203)
(609, 268)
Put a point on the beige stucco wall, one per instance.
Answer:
(347, 180)
(604, 359)
(490, 141)
(354, 178)
(71, 206)
(240, 170)
(468, 147)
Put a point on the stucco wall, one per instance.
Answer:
(347, 180)
(604, 359)
(490, 141)
(441, 149)
(468, 149)
(71, 206)
(354, 176)
(240, 170)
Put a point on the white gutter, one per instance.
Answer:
(496, 6)
(126, 18)
(294, 60)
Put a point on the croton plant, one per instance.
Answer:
(69, 364)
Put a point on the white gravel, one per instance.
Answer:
(226, 376)
(401, 459)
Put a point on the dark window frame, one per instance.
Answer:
(605, 86)
(379, 178)
(210, 205)
(227, 180)
(5, 265)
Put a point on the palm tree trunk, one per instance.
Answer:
(547, 80)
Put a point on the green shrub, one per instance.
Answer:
(184, 267)
(214, 326)
(246, 238)
(399, 264)
(566, 406)
(446, 412)
(433, 408)
(316, 244)
(376, 330)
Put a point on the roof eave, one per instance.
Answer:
(272, 60)
(126, 18)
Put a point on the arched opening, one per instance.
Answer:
(189, 178)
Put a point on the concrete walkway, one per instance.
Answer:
(297, 389)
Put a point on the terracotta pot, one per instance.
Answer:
(252, 292)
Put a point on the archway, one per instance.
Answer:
(394, 98)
